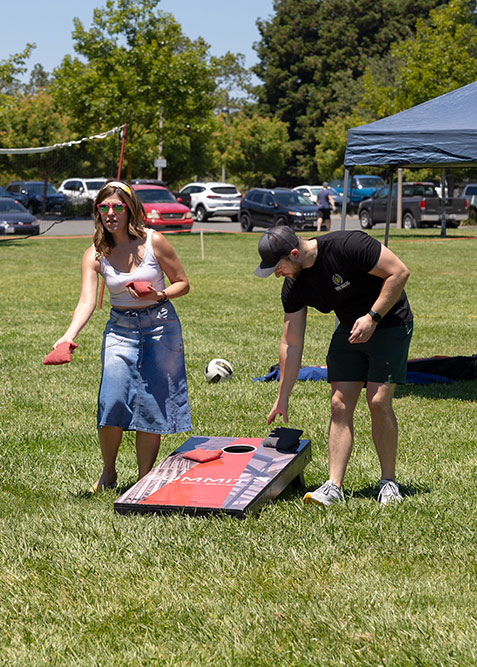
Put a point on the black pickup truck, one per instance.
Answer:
(421, 207)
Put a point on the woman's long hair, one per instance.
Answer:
(103, 240)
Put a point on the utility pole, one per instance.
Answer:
(226, 112)
(160, 163)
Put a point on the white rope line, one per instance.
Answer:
(45, 149)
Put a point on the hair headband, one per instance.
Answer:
(121, 186)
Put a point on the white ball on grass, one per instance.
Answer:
(217, 370)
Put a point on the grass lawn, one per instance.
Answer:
(356, 584)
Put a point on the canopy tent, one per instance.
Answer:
(440, 132)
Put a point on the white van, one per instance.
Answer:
(82, 189)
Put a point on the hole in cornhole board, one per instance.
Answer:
(239, 449)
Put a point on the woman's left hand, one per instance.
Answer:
(143, 290)
(158, 296)
(147, 296)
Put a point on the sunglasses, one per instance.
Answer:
(117, 208)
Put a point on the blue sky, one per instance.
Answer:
(227, 25)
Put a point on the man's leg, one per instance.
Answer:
(147, 446)
(344, 396)
(327, 221)
(384, 425)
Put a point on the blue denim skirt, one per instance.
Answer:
(143, 383)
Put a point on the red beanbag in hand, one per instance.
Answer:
(141, 287)
(203, 455)
(62, 354)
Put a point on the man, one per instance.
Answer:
(325, 204)
(362, 281)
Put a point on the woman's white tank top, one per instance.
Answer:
(148, 269)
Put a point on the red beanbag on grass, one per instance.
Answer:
(61, 355)
(141, 287)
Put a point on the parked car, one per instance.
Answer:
(15, 219)
(163, 211)
(81, 189)
(5, 193)
(213, 199)
(147, 181)
(311, 191)
(421, 207)
(30, 194)
(262, 207)
(470, 195)
(364, 186)
(182, 198)
(439, 190)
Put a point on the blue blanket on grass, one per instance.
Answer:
(316, 373)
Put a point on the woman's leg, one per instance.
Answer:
(147, 446)
(109, 439)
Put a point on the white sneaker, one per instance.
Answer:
(327, 494)
(388, 492)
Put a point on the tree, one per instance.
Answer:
(33, 121)
(440, 57)
(331, 145)
(29, 118)
(11, 68)
(231, 77)
(311, 52)
(39, 80)
(140, 69)
(252, 148)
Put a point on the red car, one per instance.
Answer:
(163, 211)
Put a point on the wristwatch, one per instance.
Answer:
(375, 316)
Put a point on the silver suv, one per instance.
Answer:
(81, 189)
(213, 199)
(470, 195)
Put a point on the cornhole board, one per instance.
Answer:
(245, 477)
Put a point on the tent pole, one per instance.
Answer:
(443, 203)
(345, 198)
(389, 206)
(399, 199)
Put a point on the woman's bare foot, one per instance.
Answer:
(104, 482)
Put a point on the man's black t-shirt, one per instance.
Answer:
(339, 280)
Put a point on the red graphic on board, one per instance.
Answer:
(205, 484)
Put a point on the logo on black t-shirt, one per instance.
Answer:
(339, 282)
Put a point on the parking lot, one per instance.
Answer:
(84, 226)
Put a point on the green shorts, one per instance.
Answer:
(382, 359)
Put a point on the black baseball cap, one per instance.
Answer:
(274, 245)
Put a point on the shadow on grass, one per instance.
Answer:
(294, 490)
(465, 390)
(12, 241)
(372, 490)
(430, 234)
(118, 490)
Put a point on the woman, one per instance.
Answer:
(143, 384)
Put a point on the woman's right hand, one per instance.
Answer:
(63, 339)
